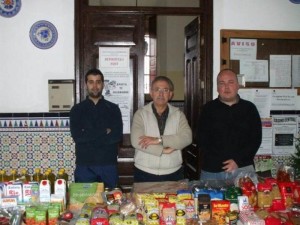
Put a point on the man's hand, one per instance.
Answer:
(108, 130)
(145, 141)
(229, 165)
(168, 150)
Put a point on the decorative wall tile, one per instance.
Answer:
(36, 142)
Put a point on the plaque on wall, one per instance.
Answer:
(43, 34)
(10, 8)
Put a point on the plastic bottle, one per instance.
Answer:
(51, 178)
(64, 175)
(37, 176)
(25, 177)
(3, 176)
(13, 175)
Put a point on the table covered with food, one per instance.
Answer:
(246, 200)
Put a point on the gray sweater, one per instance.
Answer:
(177, 135)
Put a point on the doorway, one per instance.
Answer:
(125, 26)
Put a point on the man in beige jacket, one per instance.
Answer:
(159, 132)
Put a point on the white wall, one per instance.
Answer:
(281, 15)
(25, 69)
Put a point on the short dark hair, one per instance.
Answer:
(94, 72)
(163, 78)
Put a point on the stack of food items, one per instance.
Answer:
(269, 201)
(41, 200)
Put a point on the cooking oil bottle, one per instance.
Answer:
(25, 177)
(13, 175)
(63, 175)
(3, 176)
(51, 178)
(37, 176)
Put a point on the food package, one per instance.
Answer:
(81, 193)
(250, 218)
(219, 209)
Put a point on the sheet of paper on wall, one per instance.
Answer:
(114, 62)
(261, 98)
(296, 70)
(255, 70)
(280, 71)
(243, 48)
(283, 99)
(266, 144)
(285, 129)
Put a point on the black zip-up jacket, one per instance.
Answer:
(89, 124)
(228, 132)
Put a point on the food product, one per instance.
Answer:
(264, 196)
(219, 209)
(204, 207)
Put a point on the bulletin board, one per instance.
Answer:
(266, 49)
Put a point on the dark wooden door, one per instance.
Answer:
(114, 30)
(193, 95)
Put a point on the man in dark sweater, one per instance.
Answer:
(96, 127)
(229, 132)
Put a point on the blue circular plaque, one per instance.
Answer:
(43, 34)
(295, 1)
(9, 8)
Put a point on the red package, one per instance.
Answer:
(287, 193)
(297, 192)
(99, 216)
(167, 213)
(272, 221)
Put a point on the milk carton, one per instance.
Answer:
(14, 189)
(30, 192)
(60, 188)
(45, 191)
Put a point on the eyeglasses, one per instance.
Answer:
(161, 90)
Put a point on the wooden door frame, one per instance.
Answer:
(205, 13)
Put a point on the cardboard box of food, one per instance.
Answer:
(81, 193)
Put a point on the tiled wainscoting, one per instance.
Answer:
(36, 140)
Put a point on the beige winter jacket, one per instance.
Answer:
(177, 135)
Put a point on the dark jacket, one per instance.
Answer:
(228, 132)
(89, 123)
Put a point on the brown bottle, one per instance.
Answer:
(3, 176)
(13, 175)
(37, 176)
(24, 176)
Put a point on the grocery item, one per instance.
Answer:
(3, 176)
(37, 176)
(24, 176)
(264, 195)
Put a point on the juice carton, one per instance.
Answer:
(60, 188)
(29, 192)
(45, 191)
(14, 189)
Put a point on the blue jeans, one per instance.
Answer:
(107, 174)
(141, 176)
(227, 177)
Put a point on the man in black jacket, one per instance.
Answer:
(96, 127)
(229, 132)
